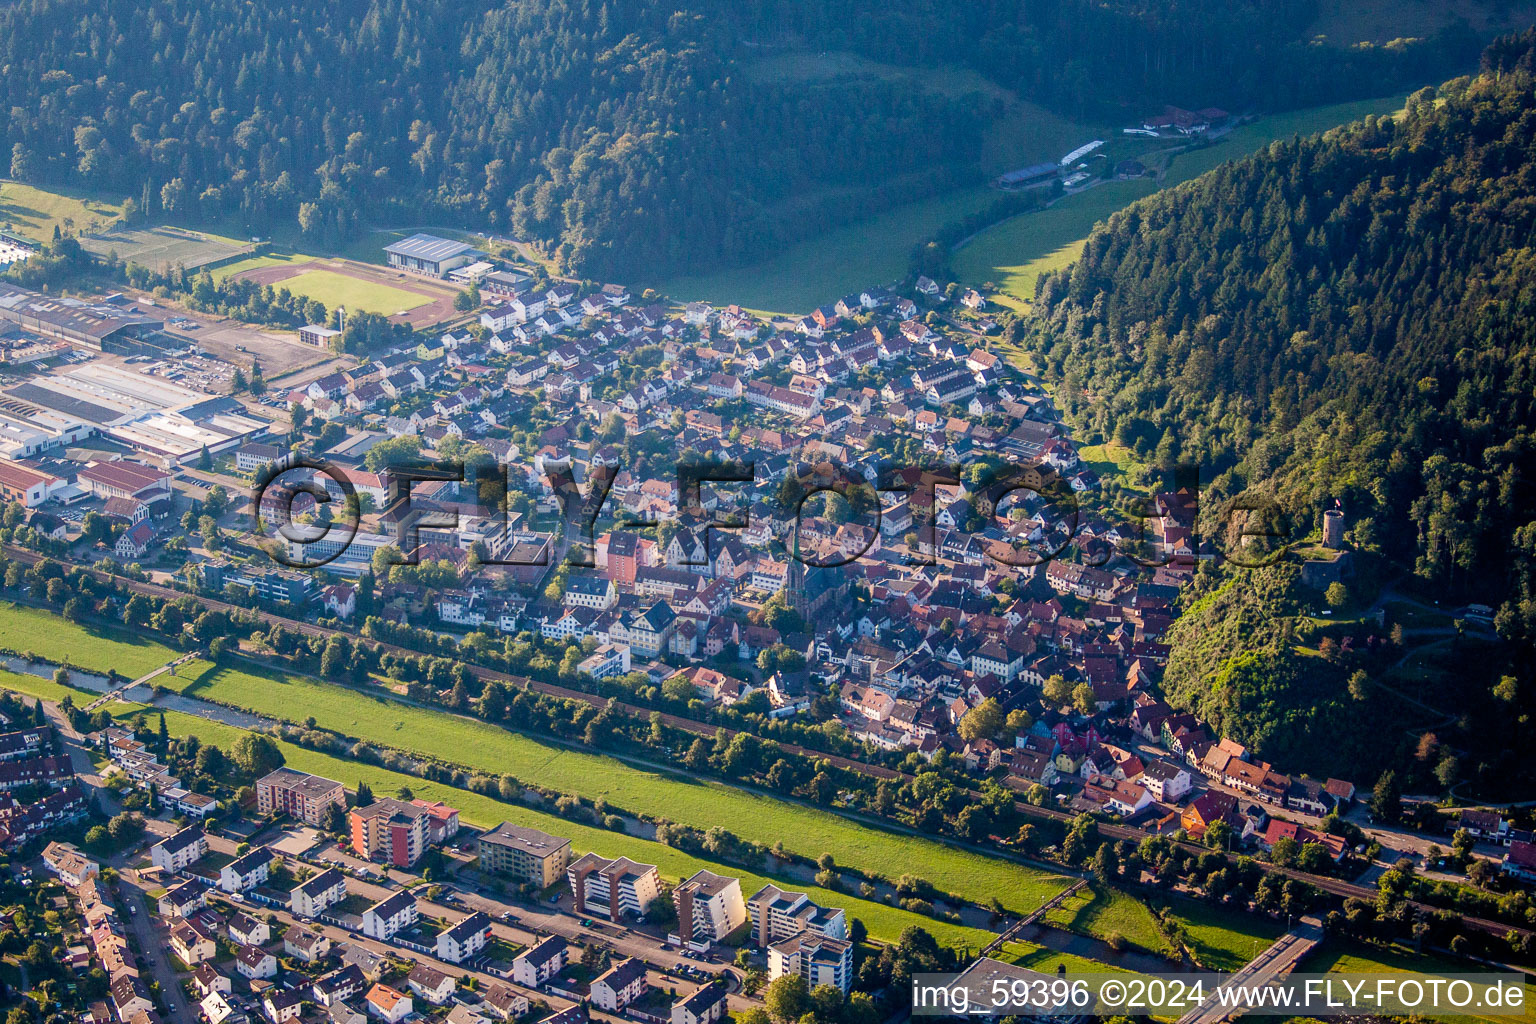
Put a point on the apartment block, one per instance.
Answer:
(778, 915)
(389, 830)
(310, 897)
(709, 907)
(297, 794)
(818, 959)
(390, 915)
(613, 888)
(535, 857)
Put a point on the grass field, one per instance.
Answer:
(53, 638)
(875, 250)
(1015, 253)
(483, 747)
(1338, 956)
(1113, 461)
(164, 248)
(355, 294)
(1102, 911)
(1221, 939)
(883, 922)
(802, 276)
(35, 212)
(266, 259)
(486, 748)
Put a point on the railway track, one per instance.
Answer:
(1110, 830)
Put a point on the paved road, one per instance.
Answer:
(1279, 958)
(152, 937)
(520, 924)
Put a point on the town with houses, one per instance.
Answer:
(918, 612)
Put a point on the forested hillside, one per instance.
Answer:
(1346, 318)
(622, 133)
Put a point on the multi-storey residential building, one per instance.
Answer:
(537, 858)
(613, 888)
(619, 985)
(778, 914)
(389, 830)
(706, 1005)
(465, 939)
(247, 871)
(390, 915)
(818, 959)
(1166, 781)
(72, 866)
(537, 965)
(442, 820)
(300, 795)
(709, 907)
(175, 853)
(310, 897)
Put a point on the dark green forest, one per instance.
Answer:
(623, 134)
(1342, 318)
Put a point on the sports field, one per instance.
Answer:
(164, 248)
(35, 212)
(884, 922)
(266, 259)
(482, 747)
(336, 290)
(1015, 253)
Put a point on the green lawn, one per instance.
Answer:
(1222, 939)
(487, 748)
(35, 212)
(483, 747)
(1102, 911)
(1044, 960)
(334, 290)
(1015, 253)
(97, 648)
(1339, 956)
(268, 259)
(883, 922)
(1113, 461)
(806, 274)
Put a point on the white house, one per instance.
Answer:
(175, 853)
(389, 916)
(465, 939)
(247, 871)
(619, 985)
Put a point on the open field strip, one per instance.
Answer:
(480, 746)
(35, 212)
(885, 923)
(1016, 252)
(1103, 911)
(53, 638)
(1338, 956)
(1223, 939)
(488, 748)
